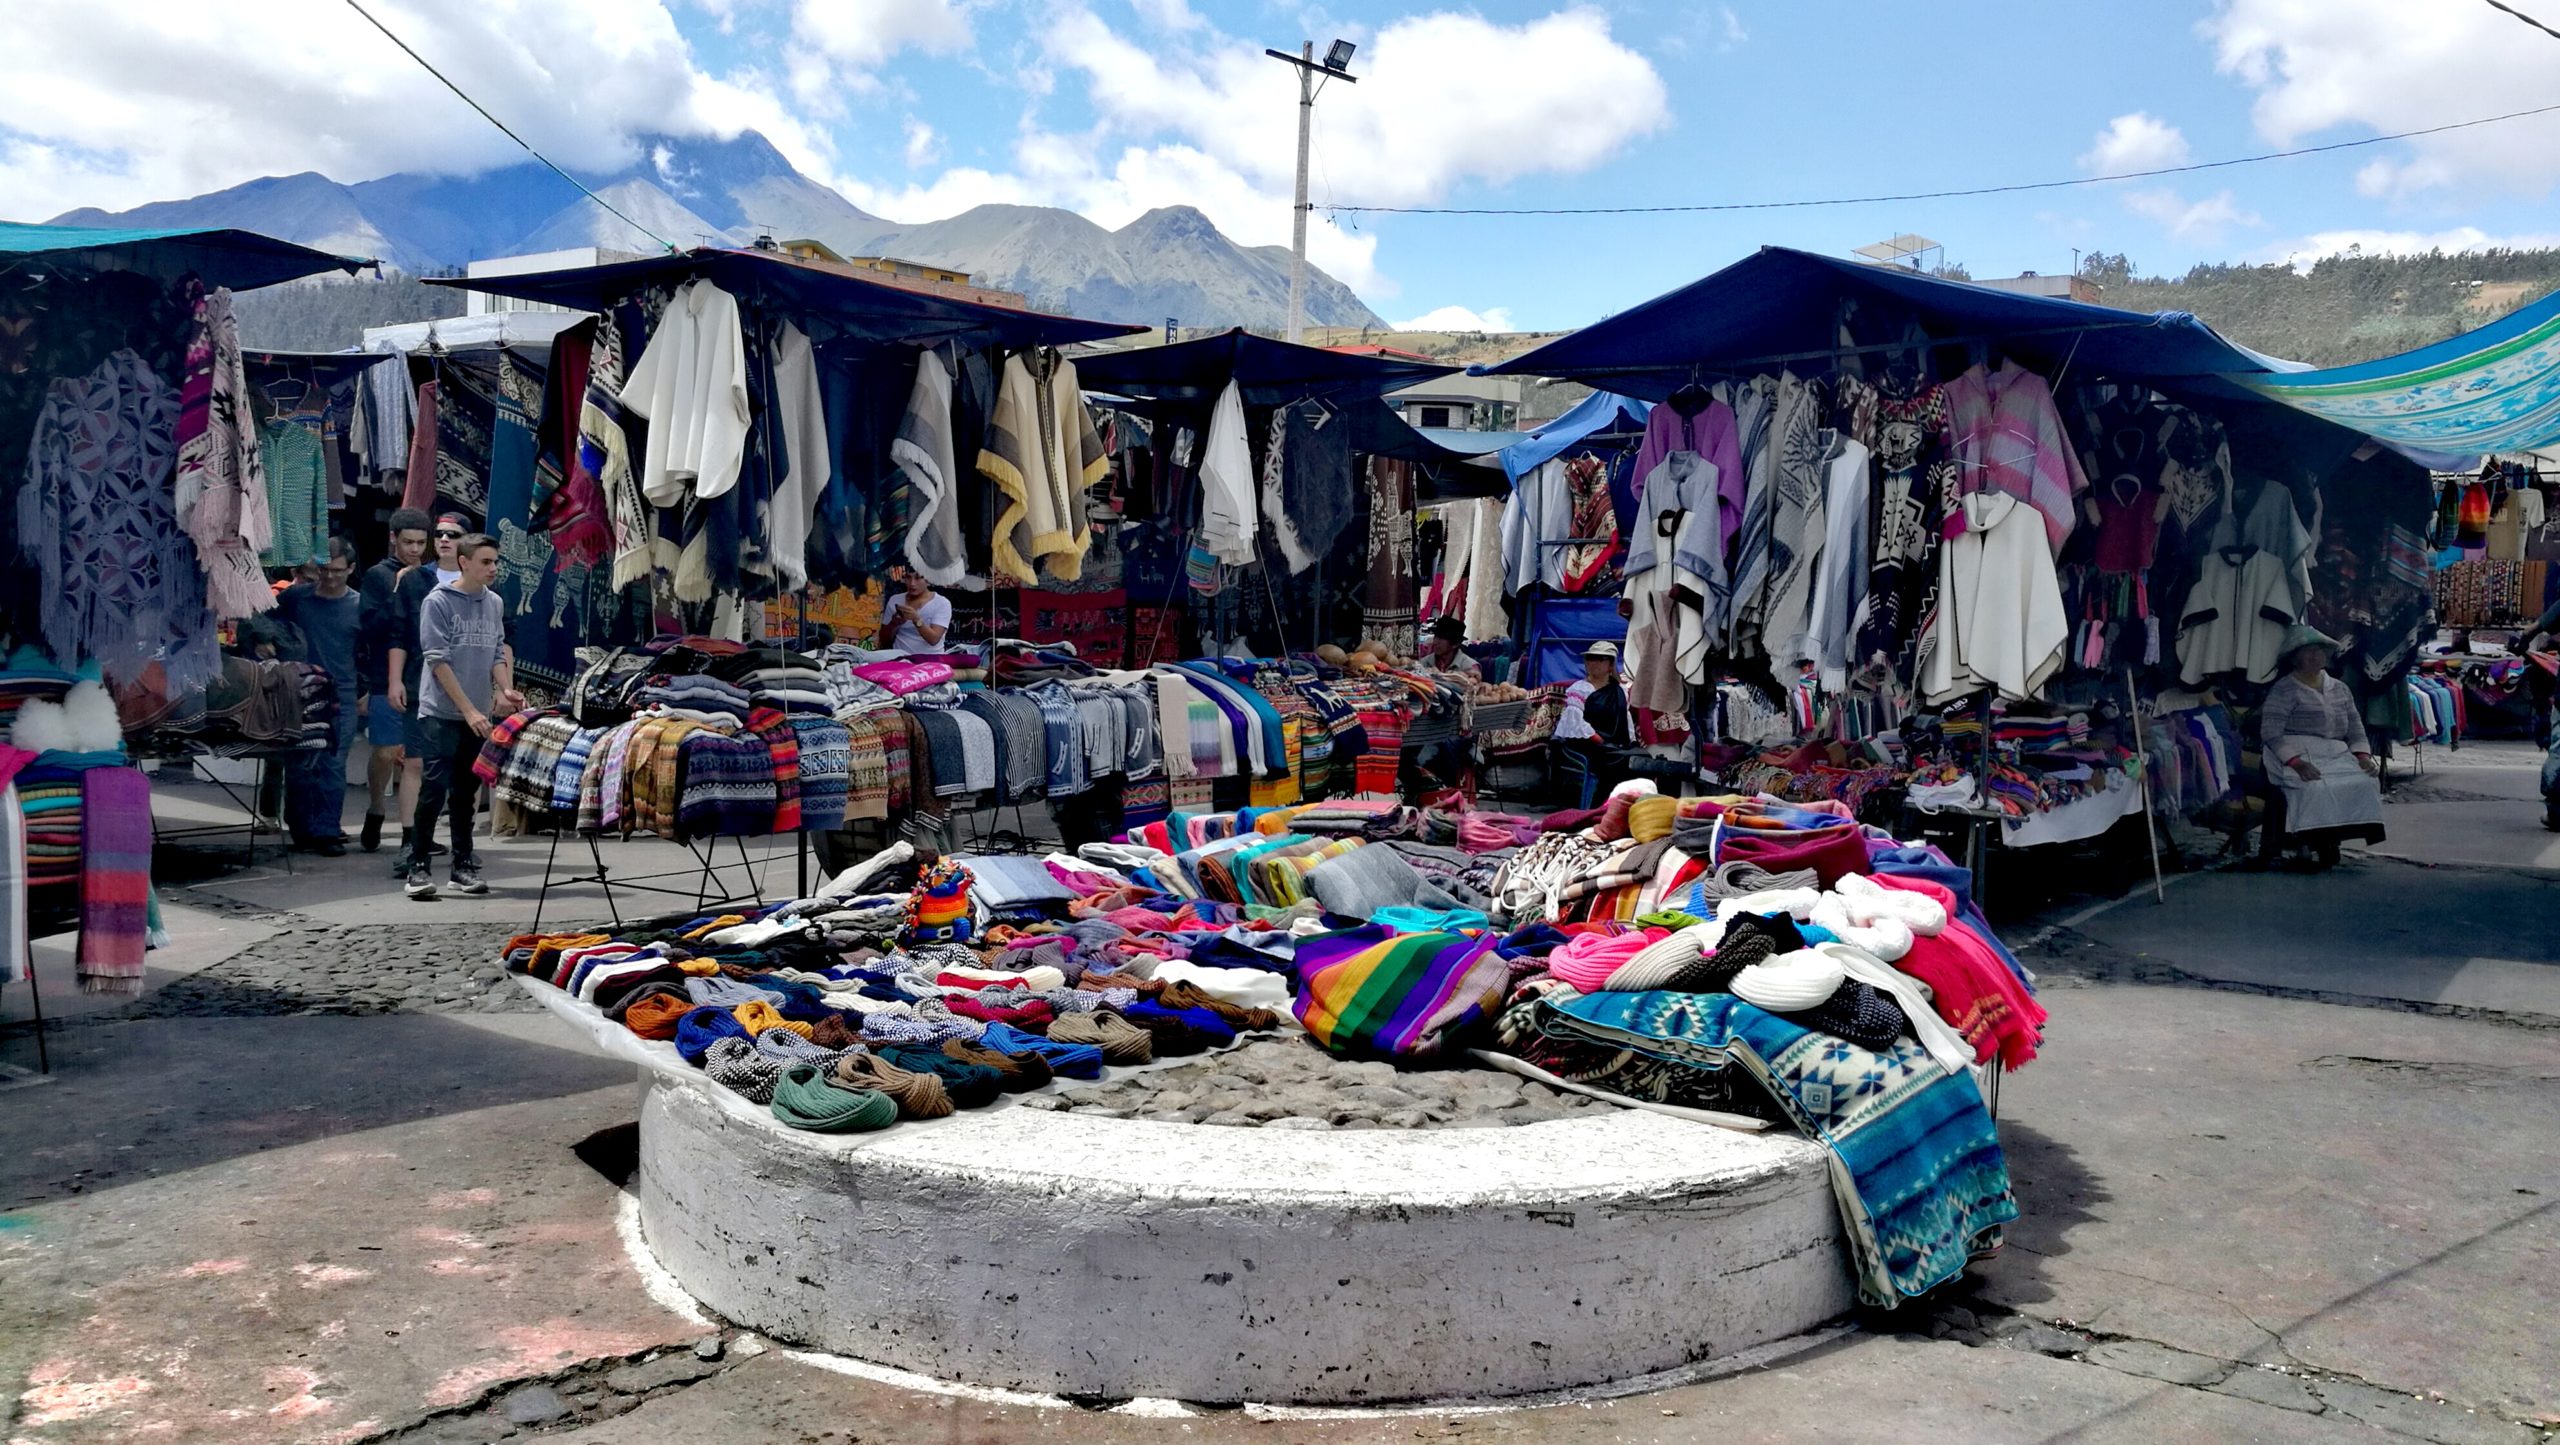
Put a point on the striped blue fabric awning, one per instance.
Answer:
(2495, 389)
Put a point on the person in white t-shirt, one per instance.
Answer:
(918, 618)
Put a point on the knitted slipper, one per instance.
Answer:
(1860, 1013)
(918, 1096)
(736, 1064)
(1121, 1041)
(804, 1099)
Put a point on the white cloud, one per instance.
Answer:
(2135, 142)
(1185, 115)
(2386, 66)
(2302, 253)
(2187, 220)
(924, 143)
(864, 33)
(110, 106)
(1734, 35)
(1459, 318)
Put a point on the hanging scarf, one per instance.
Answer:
(221, 488)
(604, 455)
(1595, 519)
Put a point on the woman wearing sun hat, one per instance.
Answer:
(2316, 754)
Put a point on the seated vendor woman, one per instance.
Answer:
(1595, 727)
(2312, 732)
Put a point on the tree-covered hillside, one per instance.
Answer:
(2343, 309)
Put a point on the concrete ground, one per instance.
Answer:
(2287, 1170)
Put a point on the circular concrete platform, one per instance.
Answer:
(1122, 1258)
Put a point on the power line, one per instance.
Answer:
(1947, 195)
(502, 126)
(2527, 19)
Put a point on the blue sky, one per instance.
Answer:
(920, 108)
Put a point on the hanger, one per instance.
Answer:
(1690, 399)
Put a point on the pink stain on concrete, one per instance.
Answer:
(63, 1400)
(555, 1344)
(463, 1199)
(452, 1238)
(206, 1268)
(296, 1384)
(457, 1265)
(320, 1276)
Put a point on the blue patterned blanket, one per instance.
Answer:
(1915, 1158)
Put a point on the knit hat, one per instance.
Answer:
(657, 1016)
(1790, 982)
(803, 1098)
(938, 909)
(1066, 1060)
(1019, 1073)
(1121, 1041)
(917, 1096)
(697, 1031)
(971, 1086)
(735, 1064)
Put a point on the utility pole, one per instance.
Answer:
(1336, 66)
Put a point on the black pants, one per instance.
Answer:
(445, 784)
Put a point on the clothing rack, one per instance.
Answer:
(705, 852)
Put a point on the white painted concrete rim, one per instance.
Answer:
(664, 1289)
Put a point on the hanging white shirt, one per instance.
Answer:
(691, 386)
(2000, 620)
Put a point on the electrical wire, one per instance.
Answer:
(1954, 194)
(2520, 15)
(503, 127)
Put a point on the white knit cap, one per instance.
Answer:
(1791, 982)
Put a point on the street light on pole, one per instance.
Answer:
(1336, 66)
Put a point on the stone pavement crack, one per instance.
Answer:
(2293, 1385)
(577, 1395)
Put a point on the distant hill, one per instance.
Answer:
(2344, 309)
(691, 191)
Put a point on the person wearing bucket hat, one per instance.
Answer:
(2317, 755)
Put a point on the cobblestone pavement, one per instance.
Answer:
(312, 967)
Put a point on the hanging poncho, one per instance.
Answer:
(1041, 452)
(691, 385)
(119, 578)
(924, 454)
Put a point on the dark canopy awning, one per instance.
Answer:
(1779, 305)
(859, 309)
(240, 260)
(1190, 374)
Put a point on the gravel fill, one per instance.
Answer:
(1292, 1084)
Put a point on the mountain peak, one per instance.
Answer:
(1172, 223)
(1172, 261)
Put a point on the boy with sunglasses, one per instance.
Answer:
(408, 666)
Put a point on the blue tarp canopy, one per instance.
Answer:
(859, 309)
(1780, 305)
(1189, 375)
(240, 260)
(1601, 411)
(2490, 390)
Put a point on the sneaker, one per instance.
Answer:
(466, 879)
(422, 884)
(371, 838)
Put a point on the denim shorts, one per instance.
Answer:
(384, 725)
